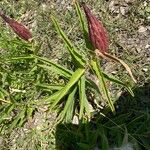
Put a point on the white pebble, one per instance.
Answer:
(142, 29)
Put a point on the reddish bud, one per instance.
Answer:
(97, 33)
(18, 28)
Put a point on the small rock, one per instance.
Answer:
(122, 10)
(147, 46)
(75, 120)
(129, 1)
(114, 72)
(91, 108)
(148, 27)
(142, 29)
(138, 49)
(69, 8)
(113, 7)
(145, 69)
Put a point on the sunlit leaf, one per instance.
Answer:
(102, 84)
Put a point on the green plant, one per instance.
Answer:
(73, 94)
(29, 82)
(69, 97)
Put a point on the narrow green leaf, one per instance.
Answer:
(67, 113)
(75, 77)
(117, 81)
(6, 112)
(29, 112)
(125, 138)
(83, 25)
(58, 68)
(102, 83)
(72, 50)
(19, 58)
(4, 92)
(20, 116)
(82, 21)
(83, 99)
(104, 140)
(55, 70)
(53, 97)
(50, 87)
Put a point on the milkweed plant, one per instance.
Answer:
(72, 97)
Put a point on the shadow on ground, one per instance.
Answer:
(131, 125)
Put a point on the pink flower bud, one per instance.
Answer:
(18, 28)
(97, 33)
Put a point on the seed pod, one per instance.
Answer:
(18, 28)
(97, 33)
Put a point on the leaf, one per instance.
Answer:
(55, 67)
(4, 92)
(82, 21)
(19, 58)
(72, 50)
(20, 117)
(125, 138)
(117, 81)
(50, 87)
(75, 77)
(83, 99)
(83, 25)
(102, 84)
(111, 57)
(53, 97)
(104, 140)
(6, 112)
(67, 113)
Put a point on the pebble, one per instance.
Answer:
(75, 120)
(145, 69)
(142, 29)
(138, 49)
(122, 10)
(147, 46)
(129, 1)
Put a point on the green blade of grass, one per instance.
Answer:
(7, 112)
(83, 25)
(19, 58)
(72, 50)
(75, 77)
(56, 67)
(52, 98)
(102, 84)
(55, 70)
(17, 119)
(50, 87)
(4, 93)
(117, 81)
(104, 139)
(82, 21)
(67, 113)
(83, 98)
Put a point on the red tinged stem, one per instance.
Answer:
(97, 33)
(17, 27)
